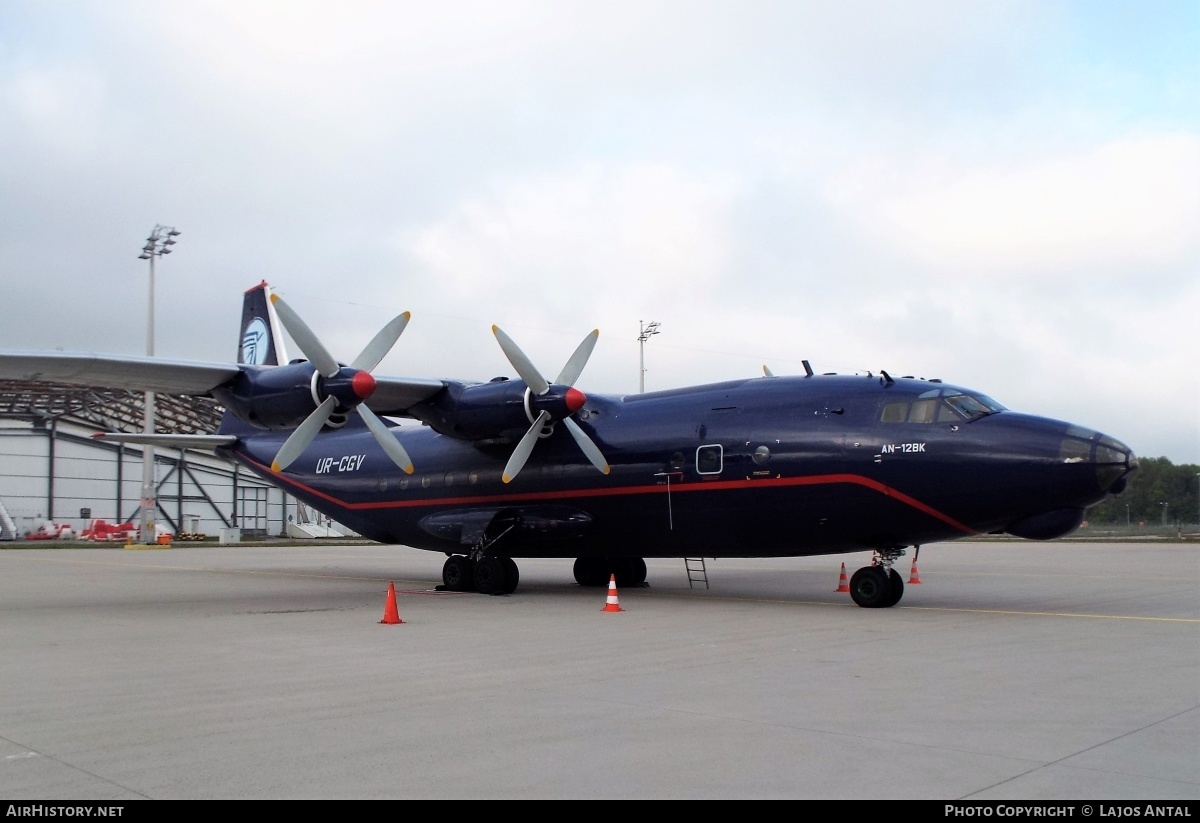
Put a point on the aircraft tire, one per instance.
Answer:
(630, 571)
(591, 571)
(458, 573)
(512, 574)
(895, 588)
(870, 587)
(490, 577)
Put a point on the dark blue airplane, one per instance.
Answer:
(530, 467)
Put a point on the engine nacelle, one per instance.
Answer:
(500, 410)
(276, 397)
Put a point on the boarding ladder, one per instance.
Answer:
(8, 529)
(696, 571)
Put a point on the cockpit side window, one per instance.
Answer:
(922, 411)
(973, 406)
(941, 406)
(894, 412)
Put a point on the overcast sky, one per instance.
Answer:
(1003, 195)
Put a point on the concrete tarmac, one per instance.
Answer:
(1013, 671)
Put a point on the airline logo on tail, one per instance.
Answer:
(256, 343)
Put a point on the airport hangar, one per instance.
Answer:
(51, 469)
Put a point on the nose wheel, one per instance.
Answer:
(878, 586)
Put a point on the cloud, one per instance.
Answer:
(604, 231)
(1096, 214)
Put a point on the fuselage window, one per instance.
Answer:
(676, 461)
(708, 459)
(425, 482)
(761, 455)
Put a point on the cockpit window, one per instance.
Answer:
(941, 406)
(973, 406)
(922, 411)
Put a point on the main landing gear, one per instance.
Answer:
(489, 574)
(597, 571)
(878, 586)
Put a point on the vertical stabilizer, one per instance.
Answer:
(261, 342)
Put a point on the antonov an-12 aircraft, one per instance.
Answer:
(768, 466)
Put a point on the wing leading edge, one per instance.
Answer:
(114, 371)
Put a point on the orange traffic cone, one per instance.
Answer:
(611, 605)
(390, 613)
(843, 581)
(914, 576)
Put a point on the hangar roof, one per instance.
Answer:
(117, 410)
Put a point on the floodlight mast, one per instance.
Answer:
(645, 332)
(157, 244)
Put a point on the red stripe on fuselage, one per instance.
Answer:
(718, 485)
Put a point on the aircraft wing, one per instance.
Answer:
(394, 396)
(116, 371)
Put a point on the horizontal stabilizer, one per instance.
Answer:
(171, 441)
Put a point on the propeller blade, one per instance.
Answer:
(317, 354)
(304, 434)
(589, 448)
(521, 452)
(382, 343)
(571, 371)
(767, 372)
(383, 436)
(525, 369)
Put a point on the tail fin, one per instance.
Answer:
(261, 342)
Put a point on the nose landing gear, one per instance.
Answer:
(878, 586)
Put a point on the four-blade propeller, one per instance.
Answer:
(338, 388)
(341, 388)
(552, 401)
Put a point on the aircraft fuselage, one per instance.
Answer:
(779, 466)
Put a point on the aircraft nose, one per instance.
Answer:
(1114, 462)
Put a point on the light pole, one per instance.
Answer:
(645, 332)
(157, 244)
(1164, 508)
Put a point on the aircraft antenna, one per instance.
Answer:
(645, 332)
